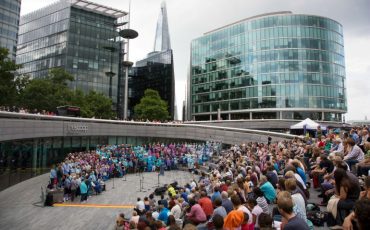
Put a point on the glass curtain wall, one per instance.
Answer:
(93, 51)
(42, 40)
(155, 72)
(9, 22)
(280, 62)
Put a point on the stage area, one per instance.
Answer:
(21, 207)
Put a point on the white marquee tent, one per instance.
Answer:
(310, 124)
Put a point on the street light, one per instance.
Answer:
(110, 74)
(127, 34)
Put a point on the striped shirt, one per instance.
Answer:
(355, 154)
(261, 201)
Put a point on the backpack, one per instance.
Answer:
(312, 207)
(159, 191)
(318, 218)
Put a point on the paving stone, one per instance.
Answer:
(20, 206)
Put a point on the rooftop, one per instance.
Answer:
(97, 8)
(62, 4)
(246, 19)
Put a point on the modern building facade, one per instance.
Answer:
(79, 36)
(272, 66)
(156, 71)
(9, 22)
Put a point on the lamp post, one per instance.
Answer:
(127, 34)
(110, 73)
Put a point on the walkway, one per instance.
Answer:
(20, 208)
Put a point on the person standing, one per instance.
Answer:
(83, 190)
(319, 132)
(53, 175)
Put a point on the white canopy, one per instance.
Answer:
(310, 124)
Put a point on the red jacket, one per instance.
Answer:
(206, 205)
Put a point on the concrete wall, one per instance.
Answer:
(260, 124)
(14, 126)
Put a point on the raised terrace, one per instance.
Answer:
(16, 126)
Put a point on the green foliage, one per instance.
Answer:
(93, 104)
(60, 77)
(53, 91)
(48, 93)
(151, 107)
(8, 83)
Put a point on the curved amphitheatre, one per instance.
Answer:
(22, 201)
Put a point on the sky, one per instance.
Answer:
(189, 19)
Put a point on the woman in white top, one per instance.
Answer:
(299, 204)
(135, 217)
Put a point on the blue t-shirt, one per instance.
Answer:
(83, 188)
(215, 196)
(163, 215)
(184, 196)
(302, 174)
(269, 191)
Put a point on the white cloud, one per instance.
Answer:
(358, 78)
(189, 19)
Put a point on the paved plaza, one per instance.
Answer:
(21, 207)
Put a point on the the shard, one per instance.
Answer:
(162, 35)
(156, 71)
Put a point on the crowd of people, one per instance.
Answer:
(267, 186)
(22, 110)
(15, 109)
(85, 173)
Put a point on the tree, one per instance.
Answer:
(8, 83)
(52, 91)
(48, 93)
(151, 107)
(60, 77)
(99, 105)
(38, 95)
(93, 104)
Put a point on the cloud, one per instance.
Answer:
(189, 19)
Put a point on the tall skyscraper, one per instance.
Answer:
(79, 36)
(9, 22)
(156, 70)
(272, 66)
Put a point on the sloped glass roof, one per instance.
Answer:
(97, 8)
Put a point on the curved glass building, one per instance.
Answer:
(272, 66)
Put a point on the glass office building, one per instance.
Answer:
(272, 66)
(156, 71)
(79, 36)
(9, 21)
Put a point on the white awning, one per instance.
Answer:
(310, 124)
